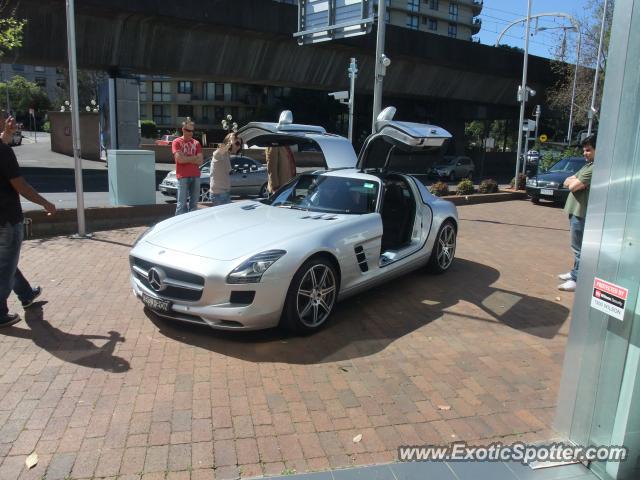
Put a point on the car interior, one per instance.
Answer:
(398, 213)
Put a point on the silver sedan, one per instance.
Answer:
(323, 237)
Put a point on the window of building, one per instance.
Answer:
(207, 114)
(142, 90)
(219, 92)
(209, 90)
(413, 5)
(162, 114)
(219, 114)
(412, 21)
(453, 30)
(433, 24)
(453, 11)
(434, 4)
(185, 87)
(41, 82)
(161, 92)
(185, 111)
(38, 69)
(17, 67)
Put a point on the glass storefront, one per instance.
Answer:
(600, 389)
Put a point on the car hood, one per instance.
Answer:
(558, 177)
(236, 230)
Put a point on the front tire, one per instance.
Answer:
(264, 191)
(444, 248)
(311, 297)
(452, 176)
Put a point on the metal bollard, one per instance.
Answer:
(27, 228)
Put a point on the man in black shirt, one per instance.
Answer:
(12, 185)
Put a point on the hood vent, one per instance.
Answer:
(322, 216)
(362, 258)
(250, 207)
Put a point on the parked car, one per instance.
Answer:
(547, 185)
(166, 139)
(327, 234)
(454, 167)
(248, 177)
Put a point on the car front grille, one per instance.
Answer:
(177, 285)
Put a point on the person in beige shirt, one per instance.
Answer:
(281, 166)
(220, 181)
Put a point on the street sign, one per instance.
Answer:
(323, 20)
(543, 138)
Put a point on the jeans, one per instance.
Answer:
(220, 198)
(187, 187)
(10, 276)
(576, 226)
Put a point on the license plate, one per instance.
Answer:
(157, 304)
(546, 191)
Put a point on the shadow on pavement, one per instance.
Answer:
(367, 323)
(77, 349)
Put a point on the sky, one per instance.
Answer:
(497, 14)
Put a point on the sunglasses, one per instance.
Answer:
(187, 130)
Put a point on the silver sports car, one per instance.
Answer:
(286, 260)
(248, 177)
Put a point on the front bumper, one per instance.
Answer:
(545, 193)
(168, 187)
(215, 308)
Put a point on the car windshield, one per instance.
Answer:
(569, 165)
(448, 161)
(328, 194)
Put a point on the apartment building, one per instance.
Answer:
(453, 18)
(51, 79)
(168, 101)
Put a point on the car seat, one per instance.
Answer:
(396, 217)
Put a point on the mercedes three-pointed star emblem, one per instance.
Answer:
(156, 279)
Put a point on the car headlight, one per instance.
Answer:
(552, 184)
(143, 234)
(532, 182)
(251, 271)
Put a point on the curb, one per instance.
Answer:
(65, 222)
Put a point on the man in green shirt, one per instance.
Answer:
(576, 207)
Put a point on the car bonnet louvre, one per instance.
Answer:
(322, 216)
(250, 207)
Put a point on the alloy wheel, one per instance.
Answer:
(446, 246)
(316, 295)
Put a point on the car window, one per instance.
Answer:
(570, 165)
(320, 193)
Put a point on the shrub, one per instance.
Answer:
(522, 181)
(465, 187)
(46, 126)
(488, 185)
(439, 189)
(148, 128)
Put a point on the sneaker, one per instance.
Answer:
(568, 286)
(9, 319)
(36, 293)
(565, 276)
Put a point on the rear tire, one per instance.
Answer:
(311, 297)
(444, 248)
(264, 191)
(204, 194)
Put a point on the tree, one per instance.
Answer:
(11, 28)
(559, 96)
(24, 95)
(88, 82)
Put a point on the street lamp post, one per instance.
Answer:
(576, 27)
(523, 93)
(353, 73)
(382, 62)
(592, 108)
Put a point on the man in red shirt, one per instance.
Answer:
(187, 153)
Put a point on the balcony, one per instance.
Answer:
(476, 26)
(476, 7)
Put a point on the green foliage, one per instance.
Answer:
(473, 132)
(11, 30)
(522, 181)
(24, 95)
(46, 126)
(488, 185)
(439, 189)
(465, 187)
(148, 129)
(550, 157)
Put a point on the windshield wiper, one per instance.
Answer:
(291, 205)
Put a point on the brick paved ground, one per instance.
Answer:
(99, 389)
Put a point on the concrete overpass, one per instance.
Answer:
(436, 78)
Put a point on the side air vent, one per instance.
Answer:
(362, 258)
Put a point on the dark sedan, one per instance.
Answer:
(547, 185)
